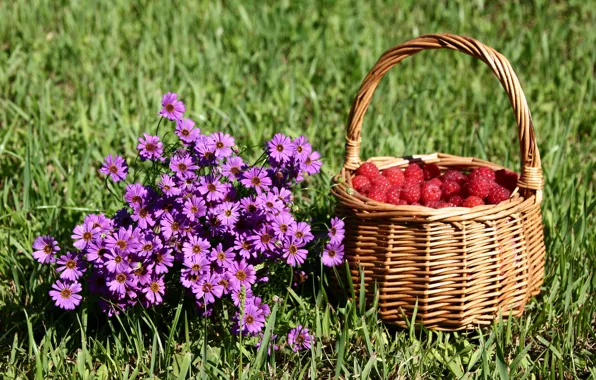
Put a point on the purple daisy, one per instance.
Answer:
(337, 231)
(281, 224)
(97, 251)
(99, 221)
(263, 240)
(223, 258)
(150, 148)
(163, 260)
(172, 226)
(149, 243)
(117, 261)
(196, 246)
(116, 167)
(83, 235)
(135, 194)
(168, 186)
(221, 144)
(240, 296)
(256, 178)
(301, 231)
(312, 164)
(333, 254)
(270, 203)
(44, 249)
(293, 251)
(185, 129)
(243, 274)
(172, 108)
(253, 320)
(195, 268)
(283, 194)
(182, 165)
(208, 288)
(281, 147)
(194, 207)
(232, 167)
(120, 281)
(70, 267)
(244, 246)
(143, 217)
(302, 148)
(227, 212)
(154, 291)
(299, 338)
(125, 239)
(212, 188)
(66, 295)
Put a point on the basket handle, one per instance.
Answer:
(531, 173)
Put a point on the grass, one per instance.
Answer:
(79, 80)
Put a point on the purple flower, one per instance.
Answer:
(301, 231)
(143, 217)
(149, 243)
(162, 261)
(227, 212)
(117, 261)
(333, 254)
(182, 165)
(232, 167)
(195, 267)
(154, 291)
(253, 320)
(242, 274)
(168, 186)
(312, 164)
(299, 339)
(83, 235)
(293, 251)
(172, 226)
(196, 246)
(99, 221)
(270, 203)
(172, 108)
(221, 144)
(281, 147)
(135, 194)
(125, 239)
(240, 296)
(96, 252)
(116, 167)
(256, 178)
(66, 295)
(119, 283)
(194, 208)
(212, 188)
(302, 148)
(337, 231)
(208, 288)
(150, 148)
(44, 249)
(244, 246)
(283, 194)
(263, 240)
(223, 258)
(185, 129)
(281, 224)
(71, 267)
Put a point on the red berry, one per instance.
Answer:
(368, 169)
(436, 181)
(443, 204)
(415, 204)
(472, 201)
(380, 182)
(456, 200)
(430, 193)
(482, 171)
(410, 192)
(480, 186)
(450, 188)
(506, 179)
(394, 175)
(431, 171)
(361, 184)
(414, 173)
(498, 194)
(378, 194)
(433, 204)
(402, 202)
(454, 175)
(393, 195)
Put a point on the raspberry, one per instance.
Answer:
(436, 181)
(480, 186)
(472, 201)
(456, 200)
(482, 171)
(380, 182)
(410, 192)
(454, 175)
(393, 195)
(450, 188)
(443, 204)
(431, 171)
(361, 184)
(432, 204)
(430, 193)
(506, 179)
(368, 169)
(498, 194)
(402, 202)
(378, 194)
(414, 173)
(394, 175)
(415, 204)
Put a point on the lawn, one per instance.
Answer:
(80, 80)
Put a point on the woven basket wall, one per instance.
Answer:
(461, 266)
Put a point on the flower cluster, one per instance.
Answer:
(203, 216)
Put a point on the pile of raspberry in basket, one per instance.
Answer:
(426, 185)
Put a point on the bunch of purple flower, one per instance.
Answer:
(204, 215)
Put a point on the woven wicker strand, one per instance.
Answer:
(460, 266)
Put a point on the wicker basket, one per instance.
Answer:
(460, 266)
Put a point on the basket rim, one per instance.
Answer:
(368, 208)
